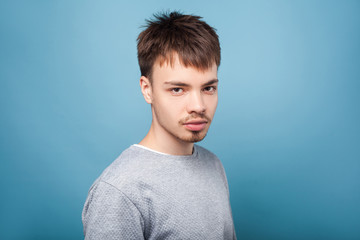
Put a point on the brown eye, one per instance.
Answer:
(177, 91)
(210, 89)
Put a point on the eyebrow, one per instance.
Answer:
(181, 84)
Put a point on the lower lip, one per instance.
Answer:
(195, 127)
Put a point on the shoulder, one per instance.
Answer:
(205, 153)
(211, 159)
(123, 169)
(103, 210)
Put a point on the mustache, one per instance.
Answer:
(197, 116)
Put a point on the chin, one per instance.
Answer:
(194, 137)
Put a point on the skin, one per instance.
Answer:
(183, 103)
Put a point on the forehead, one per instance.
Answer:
(176, 71)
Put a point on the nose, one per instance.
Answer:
(196, 103)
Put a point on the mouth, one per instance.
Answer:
(195, 125)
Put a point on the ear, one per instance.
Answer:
(146, 90)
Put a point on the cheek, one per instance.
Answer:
(212, 103)
(168, 110)
(173, 105)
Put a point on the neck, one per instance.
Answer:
(160, 140)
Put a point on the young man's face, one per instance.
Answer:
(184, 100)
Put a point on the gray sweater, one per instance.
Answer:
(145, 194)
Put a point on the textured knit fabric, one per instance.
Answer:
(145, 194)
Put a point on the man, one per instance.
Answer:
(166, 187)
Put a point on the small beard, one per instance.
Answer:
(195, 137)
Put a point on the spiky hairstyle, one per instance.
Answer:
(174, 34)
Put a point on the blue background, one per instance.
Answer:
(287, 125)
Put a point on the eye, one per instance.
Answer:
(210, 89)
(177, 91)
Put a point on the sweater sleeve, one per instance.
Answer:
(110, 214)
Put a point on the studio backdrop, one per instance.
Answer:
(286, 128)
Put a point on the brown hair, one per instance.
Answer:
(193, 40)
